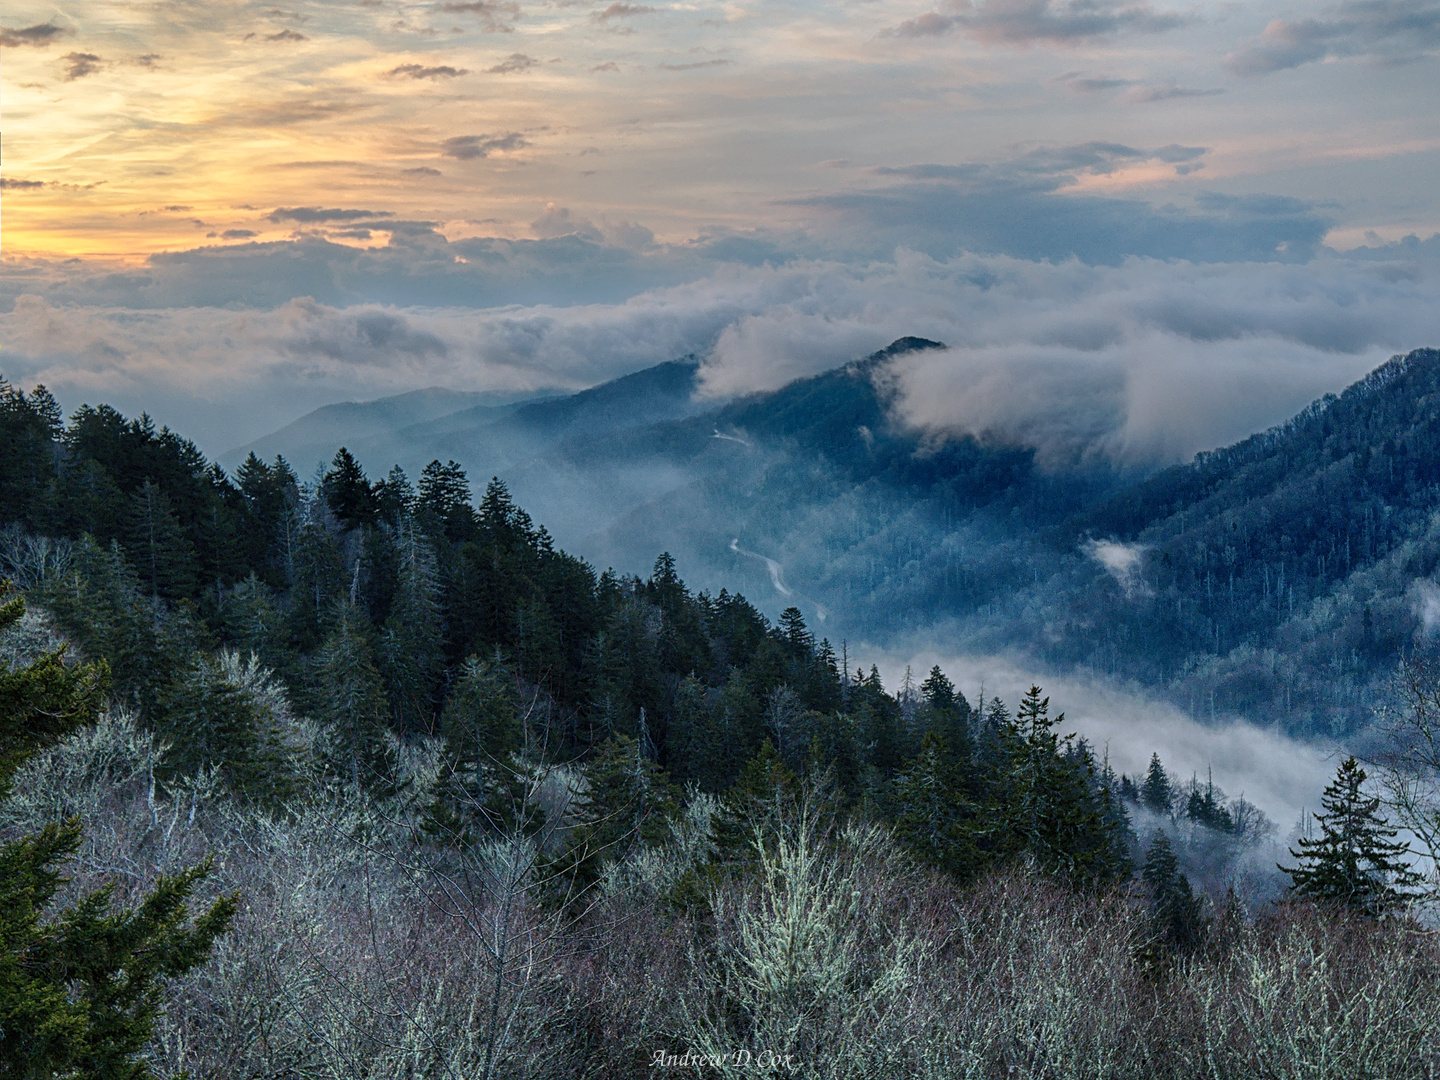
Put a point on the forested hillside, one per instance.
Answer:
(1275, 579)
(460, 804)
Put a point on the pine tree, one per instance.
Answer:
(158, 546)
(412, 640)
(1355, 861)
(1156, 792)
(1176, 914)
(351, 703)
(79, 988)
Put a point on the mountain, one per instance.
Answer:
(316, 436)
(1277, 578)
(481, 431)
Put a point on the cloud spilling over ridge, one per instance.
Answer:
(1141, 362)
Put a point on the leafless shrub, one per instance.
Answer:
(29, 560)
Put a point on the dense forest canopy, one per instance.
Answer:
(426, 677)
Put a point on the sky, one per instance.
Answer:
(1192, 217)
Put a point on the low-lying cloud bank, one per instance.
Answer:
(1142, 362)
(1280, 775)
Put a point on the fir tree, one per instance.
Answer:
(158, 546)
(1176, 914)
(1156, 791)
(351, 703)
(80, 987)
(1354, 862)
(346, 491)
(933, 817)
(412, 641)
(939, 691)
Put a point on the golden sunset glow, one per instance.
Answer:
(476, 155)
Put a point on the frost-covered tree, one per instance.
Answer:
(79, 987)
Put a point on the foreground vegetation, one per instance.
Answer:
(363, 948)
(449, 803)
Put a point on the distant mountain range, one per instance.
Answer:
(1277, 578)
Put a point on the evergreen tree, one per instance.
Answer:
(695, 751)
(443, 504)
(939, 691)
(351, 704)
(1156, 791)
(158, 546)
(394, 497)
(412, 641)
(221, 712)
(346, 491)
(1050, 808)
(29, 430)
(933, 816)
(481, 721)
(626, 806)
(1176, 914)
(44, 701)
(79, 988)
(1354, 862)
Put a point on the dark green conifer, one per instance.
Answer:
(1354, 862)
(1156, 791)
(79, 988)
(1176, 913)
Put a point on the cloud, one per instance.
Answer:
(494, 16)
(1142, 362)
(311, 214)
(1248, 757)
(513, 63)
(931, 24)
(468, 147)
(39, 35)
(621, 10)
(1135, 93)
(1122, 562)
(286, 35)
(1022, 207)
(696, 65)
(13, 183)
(1027, 22)
(1144, 95)
(1425, 602)
(238, 234)
(80, 64)
(420, 71)
(1077, 83)
(557, 221)
(1389, 31)
(421, 170)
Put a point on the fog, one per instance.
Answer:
(1146, 361)
(1279, 774)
